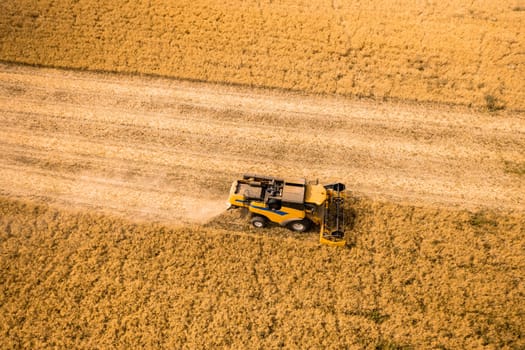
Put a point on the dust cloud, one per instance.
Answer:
(203, 210)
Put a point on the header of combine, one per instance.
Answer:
(293, 203)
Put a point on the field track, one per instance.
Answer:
(166, 150)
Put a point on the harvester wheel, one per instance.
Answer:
(299, 225)
(259, 221)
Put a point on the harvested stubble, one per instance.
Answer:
(443, 51)
(415, 277)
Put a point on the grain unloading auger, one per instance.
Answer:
(292, 203)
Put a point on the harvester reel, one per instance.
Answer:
(338, 234)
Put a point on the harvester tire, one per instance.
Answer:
(299, 225)
(259, 222)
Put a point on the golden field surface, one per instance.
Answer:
(449, 51)
(113, 232)
(415, 277)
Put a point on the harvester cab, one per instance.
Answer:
(293, 203)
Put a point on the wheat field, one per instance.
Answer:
(423, 278)
(446, 51)
(123, 124)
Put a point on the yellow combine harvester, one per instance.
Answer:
(295, 204)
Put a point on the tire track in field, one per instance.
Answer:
(165, 150)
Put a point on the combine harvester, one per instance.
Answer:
(295, 204)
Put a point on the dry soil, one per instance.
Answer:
(168, 150)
